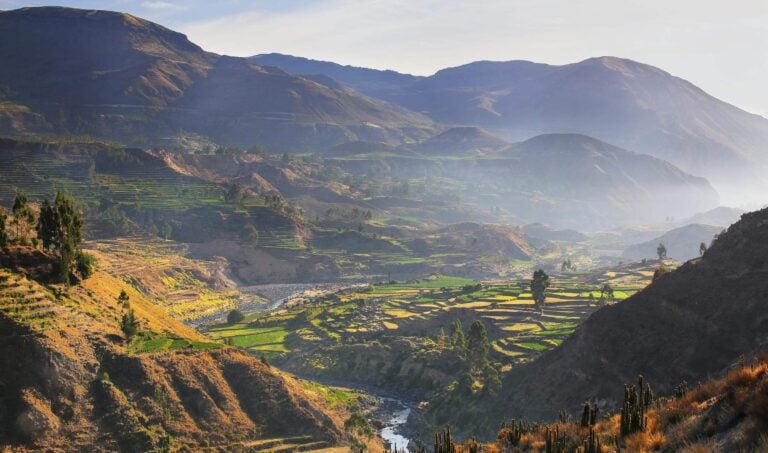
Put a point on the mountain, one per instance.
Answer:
(681, 243)
(633, 105)
(599, 178)
(72, 381)
(373, 82)
(116, 76)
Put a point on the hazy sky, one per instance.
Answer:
(720, 45)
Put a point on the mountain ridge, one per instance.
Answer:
(125, 78)
(621, 101)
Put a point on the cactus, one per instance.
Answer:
(681, 390)
(592, 443)
(637, 399)
(510, 436)
(443, 442)
(553, 442)
(588, 415)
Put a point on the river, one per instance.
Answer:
(395, 413)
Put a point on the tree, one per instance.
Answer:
(128, 324)
(702, 248)
(235, 194)
(46, 225)
(457, 338)
(250, 235)
(606, 294)
(123, 298)
(59, 227)
(661, 251)
(539, 286)
(23, 217)
(477, 346)
(491, 381)
(235, 316)
(466, 384)
(3, 231)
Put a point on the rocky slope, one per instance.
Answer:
(124, 78)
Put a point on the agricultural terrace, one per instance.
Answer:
(422, 307)
(188, 289)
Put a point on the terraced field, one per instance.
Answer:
(517, 329)
(29, 303)
(188, 289)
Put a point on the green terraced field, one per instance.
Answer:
(142, 345)
(517, 329)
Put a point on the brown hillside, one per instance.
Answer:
(71, 381)
(116, 76)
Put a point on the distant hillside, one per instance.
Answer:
(721, 216)
(543, 232)
(124, 78)
(630, 104)
(72, 381)
(565, 180)
(681, 243)
(372, 82)
(621, 101)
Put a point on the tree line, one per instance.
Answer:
(54, 227)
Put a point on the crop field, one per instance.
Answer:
(517, 329)
(141, 345)
(161, 271)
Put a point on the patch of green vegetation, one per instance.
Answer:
(146, 345)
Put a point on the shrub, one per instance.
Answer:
(235, 316)
(85, 264)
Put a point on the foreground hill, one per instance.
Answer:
(681, 243)
(630, 104)
(124, 78)
(71, 381)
